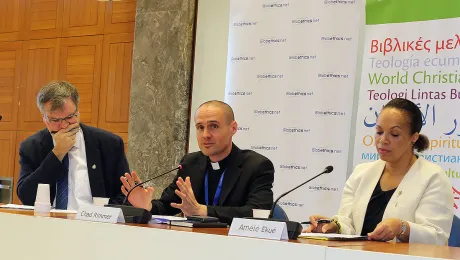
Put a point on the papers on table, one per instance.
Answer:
(15, 206)
(159, 219)
(67, 211)
(25, 207)
(339, 237)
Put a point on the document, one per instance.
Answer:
(66, 211)
(159, 219)
(15, 206)
(195, 224)
(337, 237)
(25, 207)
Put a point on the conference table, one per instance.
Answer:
(25, 235)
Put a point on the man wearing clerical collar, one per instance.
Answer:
(220, 181)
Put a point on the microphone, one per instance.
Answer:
(328, 169)
(294, 228)
(139, 184)
(138, 215)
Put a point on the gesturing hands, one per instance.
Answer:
(189, 205)
(142, 198)
(139, 197)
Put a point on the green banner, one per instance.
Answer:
(402, 11)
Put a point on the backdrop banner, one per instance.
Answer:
(290, 80)
(412, 50)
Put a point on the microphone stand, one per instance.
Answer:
(327, 170)
(293, 228)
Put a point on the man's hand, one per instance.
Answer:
(64, 140)
(139, 197)
(189, 205)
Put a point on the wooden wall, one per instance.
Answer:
(86, 42)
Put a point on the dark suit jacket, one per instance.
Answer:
(39, 164)
(247, 185)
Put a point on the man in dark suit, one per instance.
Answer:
(78, 162)
(220, 181)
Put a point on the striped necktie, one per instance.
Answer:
(62, 192)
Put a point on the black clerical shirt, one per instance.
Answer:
(213, 179)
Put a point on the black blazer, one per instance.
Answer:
(39, 164)
(247, 185)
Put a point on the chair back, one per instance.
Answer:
(6, 190)
(279, 213)
(454, 239)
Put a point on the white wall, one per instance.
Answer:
(211, 62)
(210, 57)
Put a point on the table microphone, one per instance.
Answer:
(294, 228)
(138, 215)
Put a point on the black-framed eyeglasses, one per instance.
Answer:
(58, 121)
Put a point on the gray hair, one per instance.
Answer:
(57, 93)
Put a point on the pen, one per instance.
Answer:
(319, 221)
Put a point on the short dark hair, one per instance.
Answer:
(57, 93)
(413, 117)
(228, 111)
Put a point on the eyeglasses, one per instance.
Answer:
(58, 121)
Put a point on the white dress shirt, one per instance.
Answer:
(79, 188)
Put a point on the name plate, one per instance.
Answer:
(100, 214)
(257, 228)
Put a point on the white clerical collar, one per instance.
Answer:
(215, 165)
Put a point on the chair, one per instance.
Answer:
(6, 190)
(279, 213)
(454, 239)
(293, 228)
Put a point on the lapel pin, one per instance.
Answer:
(94, 166)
